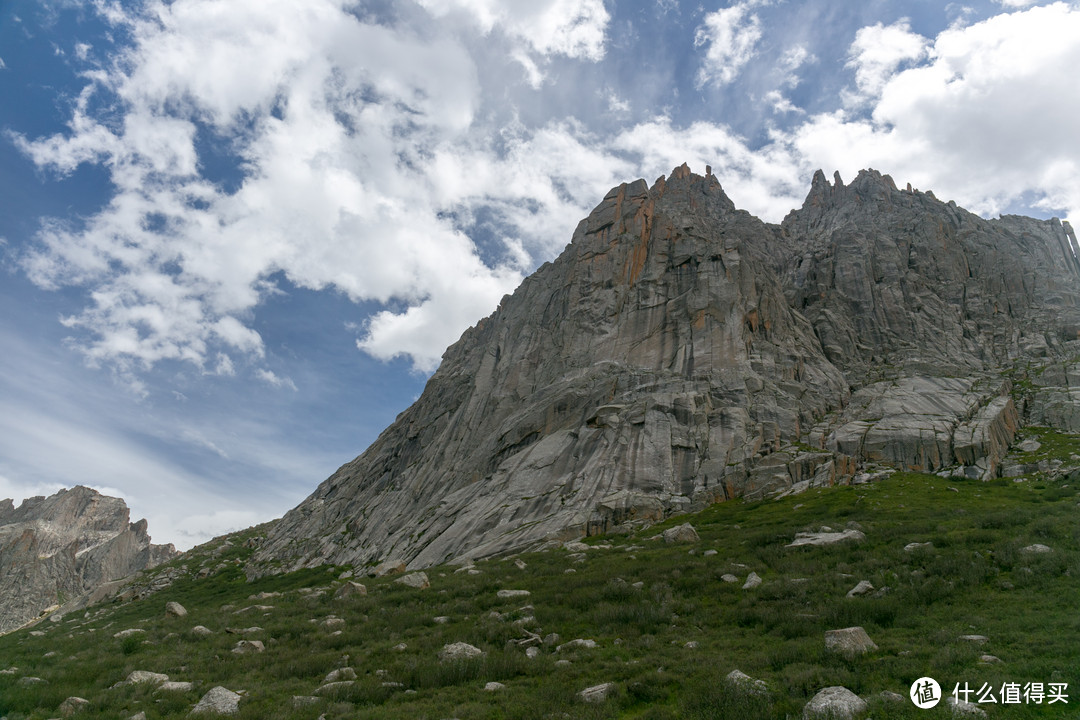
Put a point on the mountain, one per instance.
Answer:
(57, 548)
(680, 352)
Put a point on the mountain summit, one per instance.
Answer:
(680, 352)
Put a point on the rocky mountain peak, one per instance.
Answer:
(55, 548)
(680, 351)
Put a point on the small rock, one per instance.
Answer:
(708, 553)
(128, 633)
(912, 546)
(301, 701)
(345, 673)
(752, 581)
(637, 585)
(1030, 445)
(963, 708)
(218, 701)
(264, 595)
(864, 587)
(175, 609)
(551, 639)
(1037, 548)
(575, 547)
(520, 564)
(532, 652)
(980, 639)
(729, 578)
(201, 631)
(681, 533)
(494, 686)
(175, 686)
(834, 702)
(349, 589)
(745, 683)
(597, 693)
(245, 647)
(441, 619)
(138, 716)
(513, 593)
(579, 642)
(145, 676)
(332, 687)
(825, 537)
(692, 645)
(563, 663)
(892, 697)
(459, 651)
(390, 567)
(73, 705)
(849, 642)
(400, 647)
(31, 681)
(418, 580)
(989, 659)
(332, 622)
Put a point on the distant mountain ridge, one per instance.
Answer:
(680, 351)
(54, 549)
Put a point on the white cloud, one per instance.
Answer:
(574, 28)
(731, 35)
(981, 120)
(1016, 3)
(878, 51)
(270, 378)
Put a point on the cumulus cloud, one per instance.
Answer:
(730, 36)
(878, 51)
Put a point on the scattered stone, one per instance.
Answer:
(963, 708)
(563, 663)
(31, 681)
(708, 553)
(743, 682)
(989, 659)
(175, 609)
(332, 687)
(532, 652)
(349, 589)
(345, 673)
(175, 686)
(637, 585)
(892, 697)
(302, 701)
(73, 705)
(692, 645)
(1037, 548)
(912, 546)
(597, 693)
(392, 685)
(332, 621)
(128, 633)
(138, 716)
(551, 639)
(441, 619)
(752, 581)
(418, 580)
(513, 593)
(1030, 445)
(494, 686)
(849, 642)
(218, 701)
(245, 647)
(575, 546)
(579, 642)
(459, 651)
(201, 631)
(568, 571)
(729, 578)
(145, 676)
(864, 587)
(834, 702)
(264, 595)
(681, 533)
(39, 633)
(825, 537)
(390, 567)
(980, 639)
(520, 564)
(400, 647)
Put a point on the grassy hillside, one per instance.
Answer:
(641, 600)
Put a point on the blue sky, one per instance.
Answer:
(236, 236)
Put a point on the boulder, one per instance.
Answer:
(418, 580)
(865, 587)
(218, 701)
(349, 589)
(201, 631)
(684, 533)
(459, 651)
(345, 673)
(512, 593)
(597, 693)
(73, 705)
(752, 581)
(175, 609)
(825, 538)
(744, 683)
(175, 686)
(145, 676)
(246, 647)
(834, 703)
(494, 686)
(849, 642)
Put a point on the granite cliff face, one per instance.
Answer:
(53, 549)
(681, 352)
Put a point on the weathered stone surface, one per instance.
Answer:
(349, 589)
(864, 587)
(459, 651)
(835, 702)
(68, 544)
(597, 693)
(417, 580)
(513, 593)
(246, 647)
(218, 701)
(681, 352)
(825, 538)
(201, 631)
(752, 581)
(346, 673)
(175, 686)
(746, 684)
(73, 705)
(849, 642)
(175, 609)
(681, 533)
(145, 676)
